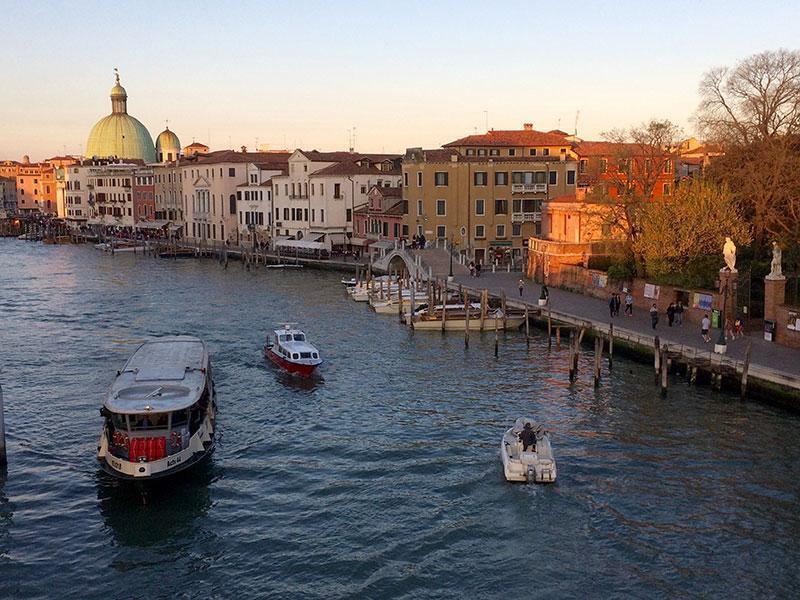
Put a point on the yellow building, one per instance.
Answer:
(484, 193)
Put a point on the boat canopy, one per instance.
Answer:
(304, 244)
(163, 375)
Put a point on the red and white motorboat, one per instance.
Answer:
(289, 349)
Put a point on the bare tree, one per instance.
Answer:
(626, 178)
(757, 99)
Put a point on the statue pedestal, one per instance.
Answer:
(774, 295)
(728, 286)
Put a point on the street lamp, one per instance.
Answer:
(450, 273)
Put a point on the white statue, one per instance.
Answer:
(776, 271)
(729, 252)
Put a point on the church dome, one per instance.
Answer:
(120, 134)
(168, 146)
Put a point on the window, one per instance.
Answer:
(337, 190)
(232, 172)
(571, 177)
(481, 151)
(516, 229)
(553, 176)
(470, 151)
(667, 189)
(512, 151)
(321, 189)
(603, 165)
(349, 215)
(285, 214)
(582, 165)
(501, 207)
(441, 208)
(419, 208)
(501, 231)
(545, 151)
(533, 152)
(419, 178)
(480, 207)
(516, 205)
(480, 231)
(479, 178)
(441, 231)
(441, 178)
(405, 180)
(501, 178)
(363, 189)
(668, 167)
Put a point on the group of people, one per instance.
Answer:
(418, 241)
(674, 314)
(475, 269)
(615, 302)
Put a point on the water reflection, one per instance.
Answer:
(149, 514)
(6, 516)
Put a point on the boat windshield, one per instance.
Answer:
(149, 421)
(299, 337)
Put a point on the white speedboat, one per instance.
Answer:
(534, 465)
(289, 349)
(160, 412)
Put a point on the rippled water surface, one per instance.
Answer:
(383, 480)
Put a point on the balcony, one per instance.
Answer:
(528, 188)
(526, 217)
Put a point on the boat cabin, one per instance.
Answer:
(291, 344)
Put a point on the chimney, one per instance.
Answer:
(527, 126)
(244, 149)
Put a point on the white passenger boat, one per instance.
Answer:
(160, 412)
(389, 306)
(534, 465)
(123, 246)
(455, 319)
(289, 349)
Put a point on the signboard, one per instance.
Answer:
(599, 280)
(463, 231)
(794, 321)
(651, 291)
(702, 301)
(769, 330)
(500, 243)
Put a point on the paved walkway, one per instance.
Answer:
(765, 354)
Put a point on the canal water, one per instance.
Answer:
(384, 479)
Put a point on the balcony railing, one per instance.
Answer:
(528, 188)
(526, 217)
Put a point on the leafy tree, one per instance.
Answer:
(677, 235)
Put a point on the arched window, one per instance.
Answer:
(233, 204)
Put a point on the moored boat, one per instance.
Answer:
(289, 349)
(453, 317)
(534, 464)
(160, 413)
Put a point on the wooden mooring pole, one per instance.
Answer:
(400, 300)
(657, 357)
(598, 356)
(550, 330)
(571, 355)
(664, 370)
(610, 346)
(496, 339)
(443, 296)
(527, 328)
(467, 307)
(3, 456)
(745, 369)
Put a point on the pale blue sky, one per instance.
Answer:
(403, 73)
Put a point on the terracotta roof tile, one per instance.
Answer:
(516, 137)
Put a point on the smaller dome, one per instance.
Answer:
(168, 146)
(118, 90)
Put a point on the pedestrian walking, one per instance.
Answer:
(617, 304)
(739, 328)
(671, 314)
(478, 270)
(545, 292)
(629, 304)
(612, 305)
(472, 268)
(521, 287)
(679, 313)
(729, 331)
(654, 315)
(705, 325)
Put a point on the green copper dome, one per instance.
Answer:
(120, 134)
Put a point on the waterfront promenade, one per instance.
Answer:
(765, 354)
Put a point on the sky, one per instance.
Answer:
(403, 74)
